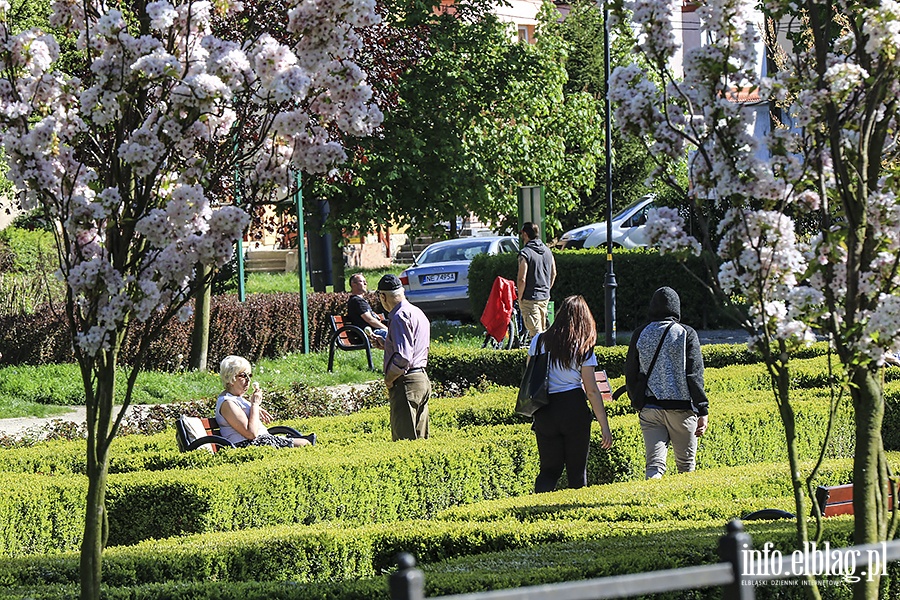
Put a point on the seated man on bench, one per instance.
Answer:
(359, 312)
(242, 421)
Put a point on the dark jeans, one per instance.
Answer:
(409, 406)
(563, 431)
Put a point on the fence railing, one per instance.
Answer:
(742, 568)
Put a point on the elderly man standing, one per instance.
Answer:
(405, 359)
(537, 272)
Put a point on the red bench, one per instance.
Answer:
(838, 500)
(603, 383)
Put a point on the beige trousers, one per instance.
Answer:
(661, 427)
(534, 313)
(409, 407)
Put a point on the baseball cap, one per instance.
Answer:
(389, 283)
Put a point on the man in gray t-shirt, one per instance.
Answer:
(537, 272)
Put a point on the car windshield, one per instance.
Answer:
(452, 252)
(621, 214)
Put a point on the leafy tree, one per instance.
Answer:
(478, 115)
(803, 223)
(582, 32)
(130, 156)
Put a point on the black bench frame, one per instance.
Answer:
(213, 435)
(340, 338)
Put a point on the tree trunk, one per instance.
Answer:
(337, 262)
(200, 334)
(99, 419)
(95, 524)
(781, 377)
(870, 483)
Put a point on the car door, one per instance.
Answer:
(635, 228)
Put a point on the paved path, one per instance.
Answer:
(77, 414)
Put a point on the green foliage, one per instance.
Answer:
(582, 34)
(28, 263)
(616, 515)
(480, 449)
(24, 251)
(638, 274)
(478, 115)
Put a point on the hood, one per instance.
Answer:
(537, 245)
(665, 304)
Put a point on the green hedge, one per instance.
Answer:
(615, 513)
(470, 367)
(638, 274)
(367, 481)
(735, 388)
(357, 475)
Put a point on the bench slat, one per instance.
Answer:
(838, 500)
(344, 335)
(603, 383)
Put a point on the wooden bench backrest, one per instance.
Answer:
(838, 500)
(211, 425)
(337, 321)
(603, 383)
(188, 430)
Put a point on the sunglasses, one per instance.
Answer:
(246, 376)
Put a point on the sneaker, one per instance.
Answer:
(311, 438)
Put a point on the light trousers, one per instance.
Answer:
(661, 427)
(534, 314)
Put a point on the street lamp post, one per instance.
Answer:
(610, 282)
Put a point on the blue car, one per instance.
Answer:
(438, 281)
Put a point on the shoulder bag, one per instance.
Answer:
(533, 391)
(640, 385)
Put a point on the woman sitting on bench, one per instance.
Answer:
(241, 421)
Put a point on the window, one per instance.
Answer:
(525, 34)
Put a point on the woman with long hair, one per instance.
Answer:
(563, 427)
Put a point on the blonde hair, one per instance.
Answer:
(231, 366)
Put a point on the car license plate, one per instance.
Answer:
(439, 278)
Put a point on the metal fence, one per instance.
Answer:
(741, 570)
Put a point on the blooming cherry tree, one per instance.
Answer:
(132, 153)
(802, 223)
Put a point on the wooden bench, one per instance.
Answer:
(192, 433)
(838, 500)
(603, 383)
(341, 338)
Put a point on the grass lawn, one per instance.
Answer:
(47, 390)
(44, 391)
(271, 283)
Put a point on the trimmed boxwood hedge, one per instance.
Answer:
(467, 368)
(638, 274)
(335, 515)
(617, 516)
(358, 475)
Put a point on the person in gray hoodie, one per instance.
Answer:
(672, 405)
(537, 272)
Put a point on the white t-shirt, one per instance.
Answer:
(563, 379)
(228, 432)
